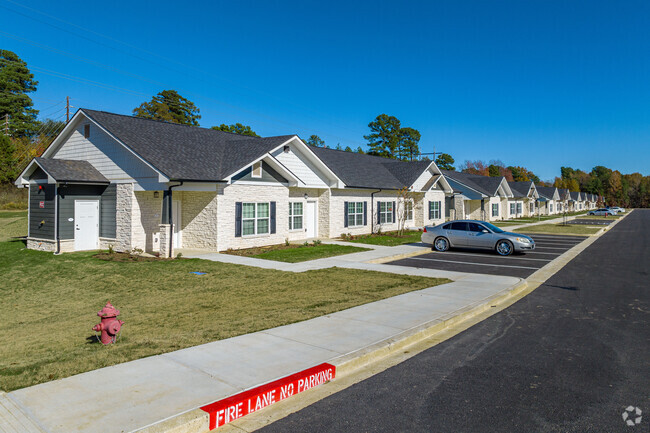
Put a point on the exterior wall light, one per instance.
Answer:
(156, 194)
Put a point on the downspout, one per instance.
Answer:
(56, 219)
(372, 210)
(170, 215)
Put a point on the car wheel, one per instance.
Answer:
(504, 248)
(441, 244)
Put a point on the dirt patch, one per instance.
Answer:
(126, 257)
(265, 249)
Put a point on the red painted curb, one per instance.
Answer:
(229, 409)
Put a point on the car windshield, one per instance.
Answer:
(494, 228)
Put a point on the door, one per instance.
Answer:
(86, 225)
(457, 233)
(479, 237)
(176, 220)
(310, 219)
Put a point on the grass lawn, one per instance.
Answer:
(389, 239)
(294, 253)
(560, 229)
(601, 217)
(13, 224)
(48, 306)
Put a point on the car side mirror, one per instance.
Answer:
(485, 231)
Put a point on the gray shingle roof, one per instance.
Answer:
(546, 191)
(520, 189)
(368, 171)
(65, 170)
(575, 196)
(484, 184)
(185, 152)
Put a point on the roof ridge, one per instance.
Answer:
(167, 123)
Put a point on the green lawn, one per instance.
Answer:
(48, 306)
(389, 239)
(570, 229)
(297, 253)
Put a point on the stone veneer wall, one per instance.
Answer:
(146, 219)
(124, 209)
(228, 195)
(41, 244)
(199, 219)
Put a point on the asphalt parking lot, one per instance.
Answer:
(547, 248)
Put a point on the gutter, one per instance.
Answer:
(56, 220)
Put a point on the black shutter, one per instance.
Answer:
(365, 213)
(238, 219)
(378, 212)
(272, 217)
(393, 212)
(345, 213)
(430, 211)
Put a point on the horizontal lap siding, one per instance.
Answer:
(38, 214)
(105, 196)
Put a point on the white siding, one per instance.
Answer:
(300, 166)
(108, 156)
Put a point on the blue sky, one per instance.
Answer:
(541, 84)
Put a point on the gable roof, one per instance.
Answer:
(65, 170)
(368, 171)
(183, 152)
(575, 195)
(547, 192)
(484, 184)
(521, 189)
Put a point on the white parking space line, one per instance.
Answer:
(494, 256)
(551, 248)
(470, 263)
(544, 242)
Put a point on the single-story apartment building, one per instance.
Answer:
(524, 201)
(549, 200)
(133, 183)
(477, 197)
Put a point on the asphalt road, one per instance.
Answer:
(569, 357)
(547, 248)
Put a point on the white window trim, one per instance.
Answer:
(255, 219)
(436, 211)
(355, 214)
(495, 206)
(386, 213)
(292, 216)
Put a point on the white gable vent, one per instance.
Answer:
(257, 170)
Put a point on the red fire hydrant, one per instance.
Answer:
(110, 325)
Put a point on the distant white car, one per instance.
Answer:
(602, 212)
(616, 208)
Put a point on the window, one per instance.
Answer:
(473, 227)
(550, 207)
(257, 170)
(255, 218)
(512, 208)
(459, 226)
(355, 213)
(518, 208)
(434, 210)
(495, 209)
(295, 216)
(532, 207)
(385, 212)
(408, 210)
(86, 131)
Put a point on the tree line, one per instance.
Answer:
(23, 136)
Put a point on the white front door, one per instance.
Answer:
(310, 219)
(176, 215)
(86, 225)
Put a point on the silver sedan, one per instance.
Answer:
(476, 234)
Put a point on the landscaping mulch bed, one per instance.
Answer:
(127, 257)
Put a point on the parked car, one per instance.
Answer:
(602, 212)
(475, 234)
(616, 208)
